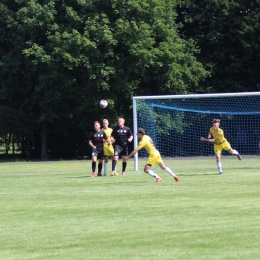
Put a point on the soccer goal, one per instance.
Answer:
(176, 123)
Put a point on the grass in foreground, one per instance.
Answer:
(54, 210)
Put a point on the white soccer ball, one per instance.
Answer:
(103, 103)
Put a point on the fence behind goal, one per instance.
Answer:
(176, 123)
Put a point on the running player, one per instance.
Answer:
(121, 136)
(154, 156)
(96, 140)
(108, 147)
(220, 143)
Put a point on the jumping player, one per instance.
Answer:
(108, 147)
(220, 143)
(154, 156)
(121, 136)
(96, 140)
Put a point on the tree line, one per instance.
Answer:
(59, 58)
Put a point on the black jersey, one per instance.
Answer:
(97, 139)
(121, 135)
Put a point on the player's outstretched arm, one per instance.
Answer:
(207, 140)
(131, 154)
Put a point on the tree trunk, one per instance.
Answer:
(29, 146)
(7, 143)
(44, 154)
(13, 144)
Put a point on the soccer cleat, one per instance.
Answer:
(116, 174)
(99, 174)
(123, 173)
(239, 156)
(220, 173)
(92, 175)
(158, 179)
(176, 178)
(105, 174)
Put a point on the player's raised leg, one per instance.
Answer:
(147, 169)
(167, 169)
(235, 152)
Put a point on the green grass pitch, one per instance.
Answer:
(54, 210)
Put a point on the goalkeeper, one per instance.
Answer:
(154, 156)
(220, 143)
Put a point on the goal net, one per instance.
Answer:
(176, 123)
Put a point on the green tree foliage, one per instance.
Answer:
(228, 35)
(59, 58)
(151, 57)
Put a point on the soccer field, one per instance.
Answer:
(54, 210)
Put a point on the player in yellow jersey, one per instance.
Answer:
(154, 156)
(220, 143)
(108, 148)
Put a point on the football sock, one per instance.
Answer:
(219, 166)
(99, 167)
(113, 165)
(93, 166)
(123, 166)
(235, 151)
(105, 167)
(153, 174)
(170, 172)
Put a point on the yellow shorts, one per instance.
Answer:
(154, 158)
(109, 150)
(219, 147)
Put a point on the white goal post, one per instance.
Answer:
(176, 120)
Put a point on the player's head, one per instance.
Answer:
(121, 122)
(215, 123)
(96, 125)
(140, 132)
(105, 123)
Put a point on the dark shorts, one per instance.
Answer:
(97, 154)
(120, 150)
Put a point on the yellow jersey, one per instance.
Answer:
(108, 132)
(219, 134)
(147, 143)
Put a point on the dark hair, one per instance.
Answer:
(141, 131)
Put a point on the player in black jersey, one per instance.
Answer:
(96, 140)
(121, 135)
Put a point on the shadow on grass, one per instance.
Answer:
(196, 174)
(78, 177)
